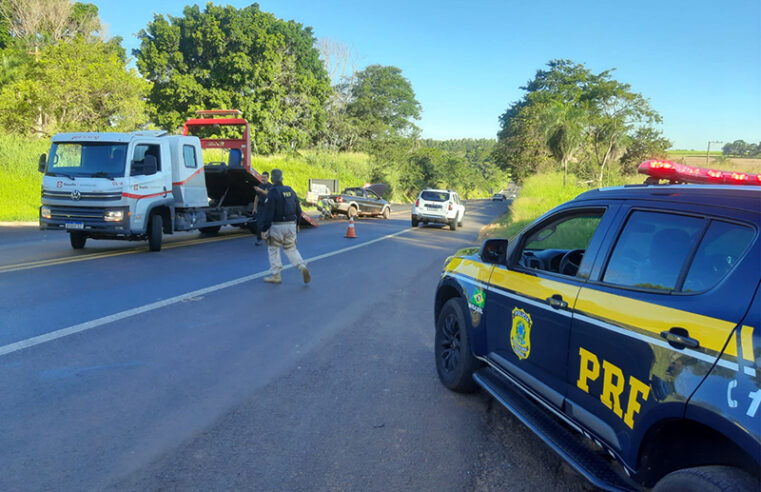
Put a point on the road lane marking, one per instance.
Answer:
(89, 325)
(107, 254)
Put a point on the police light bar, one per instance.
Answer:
(681, 173)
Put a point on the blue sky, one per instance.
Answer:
(698, 62)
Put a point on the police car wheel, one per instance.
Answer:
(414, 222)
(707, 479)
(455, 362)
(386, 213)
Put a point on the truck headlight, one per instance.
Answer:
(113, 216)
(45, 212)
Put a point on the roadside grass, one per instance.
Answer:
(538, 195)
(19, 179)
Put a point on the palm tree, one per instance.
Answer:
(563, 125)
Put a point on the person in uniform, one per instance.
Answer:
(281, 213)
(261, 193)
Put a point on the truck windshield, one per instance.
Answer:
(91, 159)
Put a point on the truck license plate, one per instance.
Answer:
(75, 225)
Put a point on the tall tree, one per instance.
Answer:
(223, 57)
(384, 103)
(569, 110)
(99, 92)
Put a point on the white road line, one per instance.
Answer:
(89, 325)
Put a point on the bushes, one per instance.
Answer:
(19, 179)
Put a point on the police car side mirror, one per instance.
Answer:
(494, 251)
(42, 163)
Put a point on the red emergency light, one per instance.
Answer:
(681, 173)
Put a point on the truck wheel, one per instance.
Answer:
(77, 239)
(352, 212)
(707, 479)
(414, 222)
(386, 213)
(455, 362)
(453, 224)
(211, 230)
(155, 232)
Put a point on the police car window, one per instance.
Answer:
(189, 154)
(652, 249)
(721, 249)
(559, 246)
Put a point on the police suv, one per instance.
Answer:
(624, 329)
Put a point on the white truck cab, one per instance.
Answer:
(137, 186)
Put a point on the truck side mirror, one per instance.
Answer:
(494, 251)
(43, 163)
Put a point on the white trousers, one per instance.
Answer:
(283, 235)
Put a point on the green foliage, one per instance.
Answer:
(383, 104)
(647, 143)
(572, 114)
(740, 148)
(224, 58)
(19, 179)
(76, 85)
(351, 169)
(539, 194)
(409, 168)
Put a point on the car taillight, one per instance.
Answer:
(339, 199)
(450, 205)
(417, 202)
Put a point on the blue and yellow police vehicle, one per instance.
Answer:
(624, 328)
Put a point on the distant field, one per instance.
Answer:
(680, 153)
(721, 163)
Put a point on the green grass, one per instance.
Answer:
(19, 179)
(672, 153)
(539, 194)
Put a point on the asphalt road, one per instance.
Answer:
(181, 370)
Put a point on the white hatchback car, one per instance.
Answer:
(440, 206)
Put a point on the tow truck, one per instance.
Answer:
(141, 185)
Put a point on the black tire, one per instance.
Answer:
(352, 212)
(211, 230)
(386, 213)
(455, 362)
(708, 479)
(414, 222)
(155, 232)
(77, 239)
(453, 224)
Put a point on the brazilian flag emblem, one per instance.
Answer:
(478, 299)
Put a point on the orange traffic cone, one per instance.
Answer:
(350, 231)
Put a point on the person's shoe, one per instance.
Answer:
(258, 242)
(274, 279)
(305, 274)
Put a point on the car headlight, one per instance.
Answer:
(45, 212)
(113, 216)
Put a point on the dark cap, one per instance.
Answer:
(277, 176)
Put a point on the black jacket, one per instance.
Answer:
(281, 205)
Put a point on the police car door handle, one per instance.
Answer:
(557, 302)
(679, 338)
